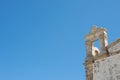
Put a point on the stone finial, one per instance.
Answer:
(94, 29)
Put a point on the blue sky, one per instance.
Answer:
(44, 39)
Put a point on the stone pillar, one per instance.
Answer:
(89, 46)
(89, 71)
(103, 43)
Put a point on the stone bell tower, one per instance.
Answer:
(92, 51)
(98, 63)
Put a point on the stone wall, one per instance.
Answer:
(107, 68)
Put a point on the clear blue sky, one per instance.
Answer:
(44, 39)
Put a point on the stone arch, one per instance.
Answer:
(94, 34)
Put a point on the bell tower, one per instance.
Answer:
(92, 52)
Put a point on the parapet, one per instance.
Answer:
(114, 48)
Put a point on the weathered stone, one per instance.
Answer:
(103, 64)
(107, 69)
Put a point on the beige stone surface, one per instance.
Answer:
(114, 47)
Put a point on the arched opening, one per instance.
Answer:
(96, 48)
(97, 44)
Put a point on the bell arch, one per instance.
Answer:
(96, 34)
(92, 51)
